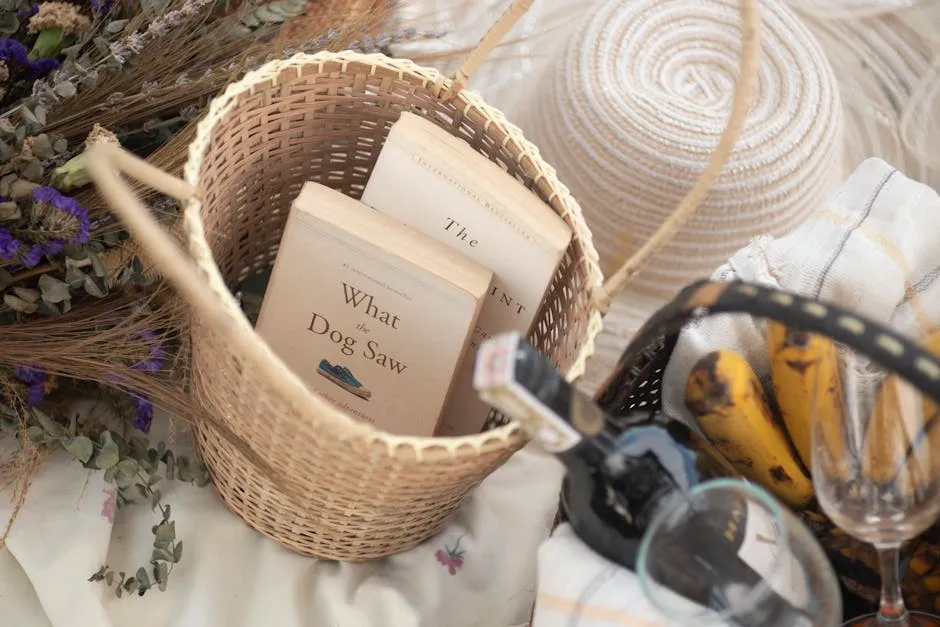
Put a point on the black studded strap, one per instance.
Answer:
(885, 347)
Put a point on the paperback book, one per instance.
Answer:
(374, 316)
(430, 180)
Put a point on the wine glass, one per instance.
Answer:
(740, 557)
(875, 463)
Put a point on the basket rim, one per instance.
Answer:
(429, 78)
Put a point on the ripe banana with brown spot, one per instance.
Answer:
(804, 369)
(902, 439)
(728, 402)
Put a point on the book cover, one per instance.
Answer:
(428, 179)
(372, 315)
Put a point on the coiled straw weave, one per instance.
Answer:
(633, 106)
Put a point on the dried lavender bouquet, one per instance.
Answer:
(82, 313)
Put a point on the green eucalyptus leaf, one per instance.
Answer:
(109, 578)
(164, 535)
(6, 183)
(40, 112)
(94, 288)
(32, 170)
(28, 294)
(35, 434)
(178, 551)
(97, 265)
(47, 309)
(155, 498)
(238, 31)
(160, 573)
(65, 90)
(6, 152)
(71, 52)
(81, 448)
(53, 290)
(161, 554)
(127, 467)
(269, 13)
(60, 145)
(138, 446)
(18, 304)
(9, 23)
(124, 481)
(115, 26)
(74, 277)
(5, 279)
(110, 474)
(48, 425)
(28, 116)
(42, 147)
(10, 211)
(109, 454)
(6, 128)
(99, 574)
(102, 45)
(22, 189)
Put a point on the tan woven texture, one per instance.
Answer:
(323, 118)
(633, 106)
(317, 481)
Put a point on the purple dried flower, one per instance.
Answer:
(51, 197)
(12, 50)
(144, 417)
(54, 246)
(100, 6)
(41, 67)
(28, 12)
(35, 380)
(9, 245)
(32, 256)
(158, 353)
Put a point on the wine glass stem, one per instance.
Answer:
(891, 610)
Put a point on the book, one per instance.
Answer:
(430, 180)
(372, 315)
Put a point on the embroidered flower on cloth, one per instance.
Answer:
(109, 506)
(451, 557)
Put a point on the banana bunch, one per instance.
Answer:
(769, 440)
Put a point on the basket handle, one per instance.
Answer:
(104, 163)
(740, 106)
(485, 46)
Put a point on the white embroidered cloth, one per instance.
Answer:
(479, 572)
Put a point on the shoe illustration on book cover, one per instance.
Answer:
(342, 377)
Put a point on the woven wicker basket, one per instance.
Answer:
(342, 490)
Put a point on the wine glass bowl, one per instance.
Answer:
(728, 553)
(876, 469)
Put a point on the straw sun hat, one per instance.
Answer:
(633, 106)
(628, 106)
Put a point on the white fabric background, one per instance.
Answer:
(231, 576)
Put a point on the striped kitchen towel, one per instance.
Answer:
(873, 248)
(579, 588)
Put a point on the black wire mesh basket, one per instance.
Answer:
(635, 388)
